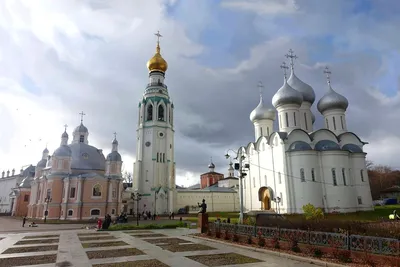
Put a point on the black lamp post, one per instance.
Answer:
(277, 200)
(46, 200)
(136, 197)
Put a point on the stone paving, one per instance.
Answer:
(68, 248)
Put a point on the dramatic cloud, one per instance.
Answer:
(58, 58)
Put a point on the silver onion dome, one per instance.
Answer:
(63, 151)
(262, 112)
(306, 90)
(114, 156)
(286, 95)
(64, 135)
(332, 100)
(81, 129)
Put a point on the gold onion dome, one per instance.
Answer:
(157, 62)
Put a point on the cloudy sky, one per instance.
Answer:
(58, 58)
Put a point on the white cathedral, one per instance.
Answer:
(296, 164)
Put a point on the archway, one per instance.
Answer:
(265, 196)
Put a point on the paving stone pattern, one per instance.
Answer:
(156, 248)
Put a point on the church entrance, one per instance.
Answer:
(264, 195)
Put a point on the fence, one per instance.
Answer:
(370, 244)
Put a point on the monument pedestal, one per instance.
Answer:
(202, 222)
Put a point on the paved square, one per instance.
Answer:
(164, 248)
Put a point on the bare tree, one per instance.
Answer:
(369, 164)
(127, 176)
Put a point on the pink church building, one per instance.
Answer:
(77, 182)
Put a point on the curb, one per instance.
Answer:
(278, 254)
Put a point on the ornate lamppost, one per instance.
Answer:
(136, 197)
(46, 200)
(242, 174)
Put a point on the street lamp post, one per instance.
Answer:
(240, 158)
(136, 197)
(46, 200)
(277, 200)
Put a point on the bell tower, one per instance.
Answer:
(154, 169)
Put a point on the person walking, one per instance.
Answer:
(23, 221)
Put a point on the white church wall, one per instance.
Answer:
(338, 197)
(361, 182)
(305, 183)
(6, 184)
(297, 135)
(216, 201)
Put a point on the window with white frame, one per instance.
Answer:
(95, 212)
(114, 193)
(302, 175)
(70, 212)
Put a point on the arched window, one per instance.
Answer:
(267, 131)
(95, 212)
(287, 119)
(334, 177)
(161, 113)
(112, 211)
(334, 123)
(81, 138)
(261, 133)
(341, 121)
(70, 213)
(302, 175)
(294, 117)
(96, 190)
(327, 124)
(305, 121)
(344, 176)
(149, 112)
(362, 175)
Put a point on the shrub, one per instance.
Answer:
(249, 240)
(317, 252)
(275, 242)
(312, 213)
(235, 238)
(344, 256)
(261, 239)
(249, 221)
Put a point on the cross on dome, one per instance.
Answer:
(260, 87)
(284, 68)
(82, 114)
(158, 36)
(65, 127)
(292, 57)
(115, 135)
(328, 74)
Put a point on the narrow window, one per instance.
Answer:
(26, 198)
(261, 133)
(81, 138)
(149, 112)
(163, 157)
(341, 121)
(334, 177)
(313, 174)
(161, 113)
(48, 193)
(327, 124)
(362, 175)
(287, 119)
(279, 178)
(169, 116)
(305, 121)
(157, 156)
(70, 212)
(344, 177)
(334, 123)
(267, 131)
(359, 199)
(302, 176)
(294, 117)
(72, 192)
